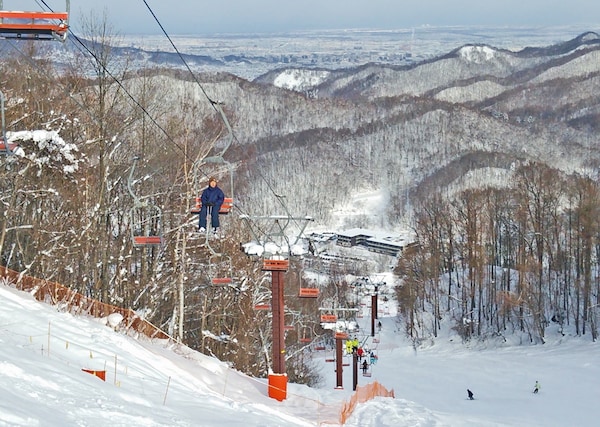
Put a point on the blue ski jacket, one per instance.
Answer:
(212, 196)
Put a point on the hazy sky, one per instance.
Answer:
(231, 16)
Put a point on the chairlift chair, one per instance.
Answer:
(367, 372)
(34, 25)
(225, 207)
(145, 218)
(220, 269)
(308, 293)
(6, 149)
(329, 318)
(145, 225)
(218, 160)
(306, 338)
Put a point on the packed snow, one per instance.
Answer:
(44, 352)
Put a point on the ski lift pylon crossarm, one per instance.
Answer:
(270, 264)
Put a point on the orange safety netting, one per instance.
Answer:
(55, 293)
(361, 395)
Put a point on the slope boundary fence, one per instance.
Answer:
(56, 294)
(361, 395)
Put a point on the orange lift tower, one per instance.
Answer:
(272, 234)
(34, 25)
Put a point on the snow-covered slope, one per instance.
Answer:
(43, 352)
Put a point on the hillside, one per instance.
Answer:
(422, 123)
(415, 122)
(488, 155)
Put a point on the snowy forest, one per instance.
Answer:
(490, 156)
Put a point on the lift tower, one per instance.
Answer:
(274, 244)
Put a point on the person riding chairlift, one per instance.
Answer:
(212, 197)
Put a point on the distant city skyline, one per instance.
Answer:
(268, 16)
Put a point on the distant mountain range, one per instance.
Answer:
(320, 136)
(251, 55)
(462, 119)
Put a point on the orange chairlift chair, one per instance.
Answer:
(306, 337)
(34, 25)
(145, 218)
(220, 269)
(328, 318)
(308, 292)
(219, 160)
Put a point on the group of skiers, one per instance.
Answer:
(365, 365)
(536, 389)
(353, 347)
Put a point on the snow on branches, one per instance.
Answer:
(45, 149)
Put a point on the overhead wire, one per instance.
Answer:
(267, 182)
(194, 77)
(81, 45)
(180, 55)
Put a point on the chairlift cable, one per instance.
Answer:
(80, 44)
(269, 185)
(278, 196)
(214, 104)
(179, 54)
(130, 96)
(217, 108)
